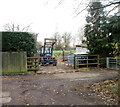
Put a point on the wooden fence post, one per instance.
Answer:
(98, 61)
(33, 63)
(87, 60)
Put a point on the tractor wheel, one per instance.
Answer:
(54, 64)
(43, 63)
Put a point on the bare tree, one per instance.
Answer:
(66, 40)
(80, 36)
(16, 27)
(38, 44)
(74, 41)
(58, 37)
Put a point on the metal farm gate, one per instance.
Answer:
(113, 62)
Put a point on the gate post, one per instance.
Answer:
(74, 61)
(107, 62)
(98, 61)
(63, 55)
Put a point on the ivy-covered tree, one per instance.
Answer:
(18, 41)
(113, 26)
(96, 32)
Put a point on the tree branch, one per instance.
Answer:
(79, 6)
(111, 3)
(111, 10)
(82, 10)
(15, 27)
(59, 3)
(107, 5)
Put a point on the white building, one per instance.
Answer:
(81, 49)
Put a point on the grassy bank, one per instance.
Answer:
(59, 53)
(67, 51)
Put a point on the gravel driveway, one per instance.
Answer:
(53, 89)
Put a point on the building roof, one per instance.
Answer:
(82, 45)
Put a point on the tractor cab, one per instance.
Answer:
(46, 51)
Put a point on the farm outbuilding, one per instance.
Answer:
(81, 58)
(81, 49)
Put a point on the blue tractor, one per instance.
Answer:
(46, 52)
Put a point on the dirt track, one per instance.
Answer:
(54, 89)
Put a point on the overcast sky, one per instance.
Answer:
(45, 16)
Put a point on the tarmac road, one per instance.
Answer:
(52, 89)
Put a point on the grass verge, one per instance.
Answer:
(5, 73)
